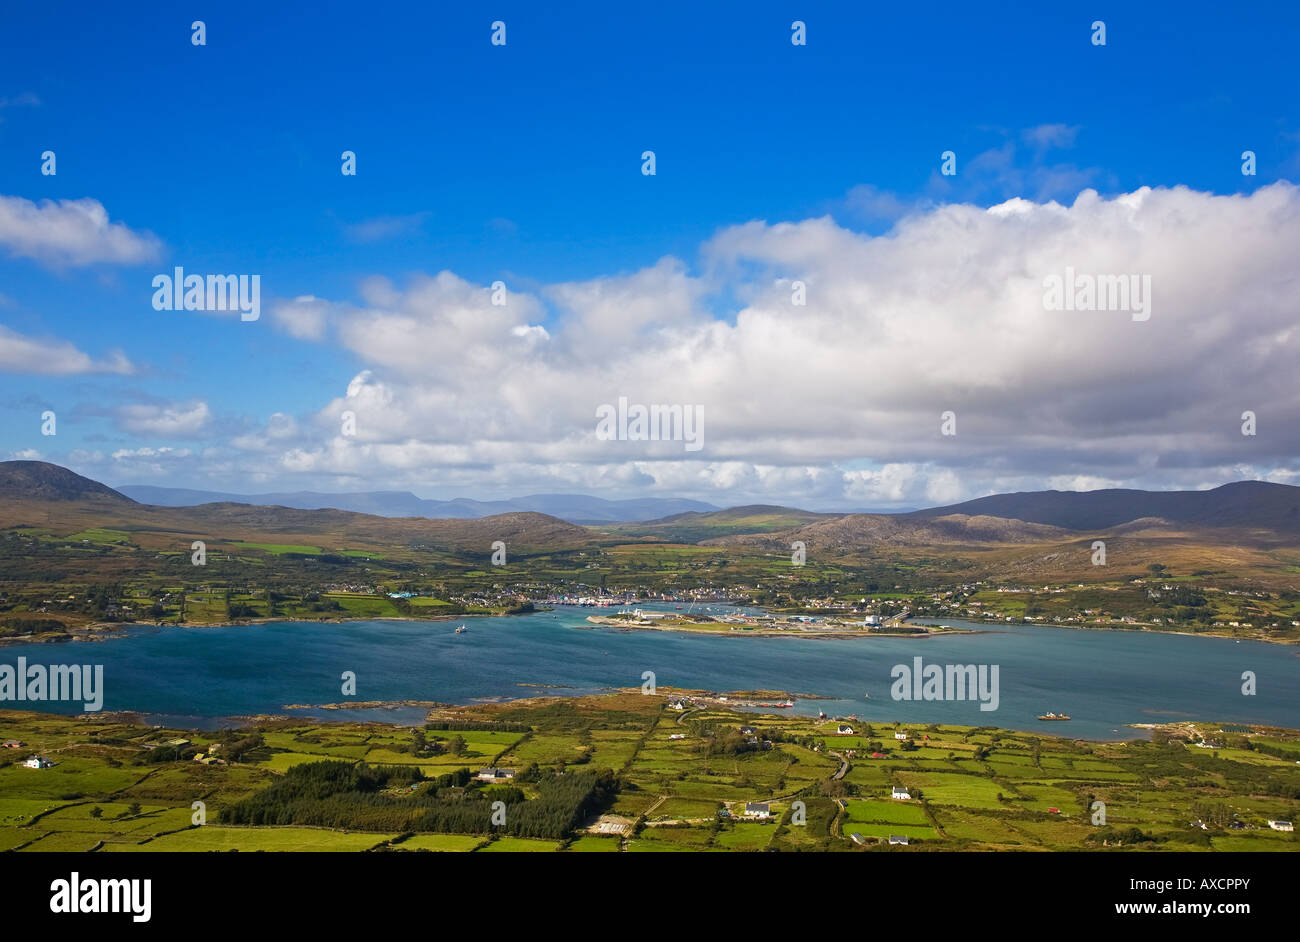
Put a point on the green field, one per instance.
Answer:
(113, 788)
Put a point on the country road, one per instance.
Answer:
(844, 766)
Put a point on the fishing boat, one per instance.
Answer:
(1054, 716)
(461, 630)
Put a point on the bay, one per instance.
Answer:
(1104, 680)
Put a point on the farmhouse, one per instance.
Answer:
(747, 731)
(38, 762)
(898, 839)
(14, 743)
(858, 838)
(496, 775)
(901, 734)
(1281, 825)
(902, 794)
(757, 809)
(844, 730)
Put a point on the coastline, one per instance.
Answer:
(607, 621)
(747, 702)
(107, 631)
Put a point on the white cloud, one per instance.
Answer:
(164, 421)
(304, 317)
(840, 400)
(63, 233)
(53, 357)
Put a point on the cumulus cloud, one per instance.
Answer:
(53, 357)
(839, 401)
(69, 233)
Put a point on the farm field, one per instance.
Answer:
(733, 782)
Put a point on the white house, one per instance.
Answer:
(1281, 825)
(902, 794)
(496, 775)
(900, 735)
(898, 839)
(38, 762)
(844, 730)
(757, 809)
(677, 736)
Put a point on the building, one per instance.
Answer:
(496, 775)
(900, 735)
(677, 736)
(14, 743)
(858, 838)
(757, 809)
(844, 730)
(898, 839)
(38, 762)
(902, 794)
(1281, 825)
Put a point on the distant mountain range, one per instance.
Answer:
(573, 508)
(1240, 504)
(1243, 507)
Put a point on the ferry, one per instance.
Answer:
(1054, 716)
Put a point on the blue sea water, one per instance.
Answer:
(1103, 679)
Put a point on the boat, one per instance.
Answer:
(1054, 716)
(461, 630)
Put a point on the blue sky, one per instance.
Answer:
(522, 163)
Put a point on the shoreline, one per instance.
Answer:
(609, 621)
(736, 701)
(107, 631)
